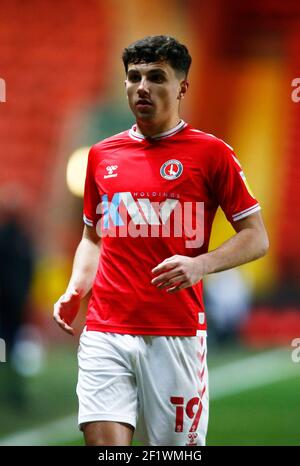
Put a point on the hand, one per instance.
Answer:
(179, 271)
(66, 309)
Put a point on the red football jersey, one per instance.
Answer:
(152, 198)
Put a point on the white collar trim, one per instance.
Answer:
(140, 137)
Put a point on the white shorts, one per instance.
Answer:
(157, 384)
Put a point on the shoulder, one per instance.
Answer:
(208, 139)
(111, 141)
(213, 148)
(103, 147)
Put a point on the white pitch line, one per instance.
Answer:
(251, 372)
(230, 379)
(50, 433)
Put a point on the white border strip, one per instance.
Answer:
(170, 132)
(88, 222)
(246, 212)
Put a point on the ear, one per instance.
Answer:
(125, 85)
(184, 85)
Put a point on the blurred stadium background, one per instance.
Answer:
(64, 91)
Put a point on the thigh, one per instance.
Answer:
(173, 391)
(106, 387)
(107, 433)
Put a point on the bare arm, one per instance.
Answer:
(83, 274)
(249, 243)
(85, 262)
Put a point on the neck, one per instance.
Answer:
(151, 128)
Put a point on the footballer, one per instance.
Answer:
(151, 195)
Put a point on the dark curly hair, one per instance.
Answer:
(158, 48)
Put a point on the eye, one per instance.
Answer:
(134, 77)
(157, 78)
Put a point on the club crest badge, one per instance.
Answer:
(171, 169)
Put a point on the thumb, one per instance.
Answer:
(170, 258)
(69, 294)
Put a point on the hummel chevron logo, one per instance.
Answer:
(201, 356)
(110, 169)
(201, 374)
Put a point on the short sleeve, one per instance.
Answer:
(231, 188)
(91, 193)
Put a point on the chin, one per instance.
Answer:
(144, 116)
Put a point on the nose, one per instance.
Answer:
(143, 87)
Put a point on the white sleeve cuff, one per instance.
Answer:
(87, 221)
(246, 212)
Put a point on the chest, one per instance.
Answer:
(154, 172)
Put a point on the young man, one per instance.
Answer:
(151, 194)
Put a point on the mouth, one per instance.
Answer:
(143, 103)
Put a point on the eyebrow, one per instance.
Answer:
(154, 70)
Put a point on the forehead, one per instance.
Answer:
(144, 68)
